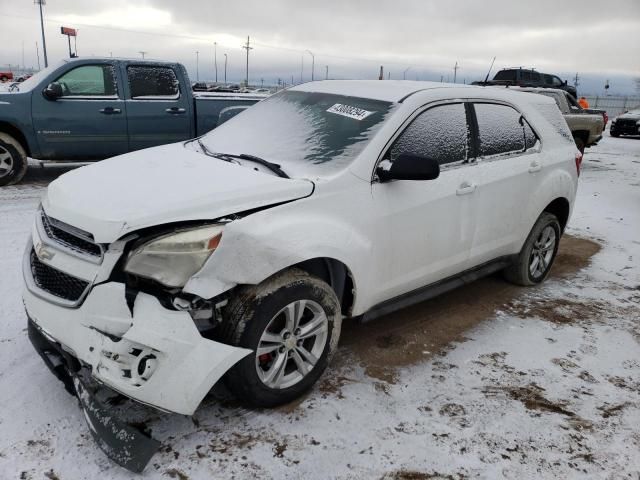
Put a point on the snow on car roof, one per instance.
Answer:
(397, 90)
(386, 90)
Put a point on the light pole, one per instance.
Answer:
(197, 66)
(44, 42)
(225, 68)
(215, 59)
(313, 62)
(143, 53)
(404, 74)
(326, 72)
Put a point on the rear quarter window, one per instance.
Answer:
(552, 114)
(506, 75)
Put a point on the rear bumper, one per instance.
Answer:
(161, 359)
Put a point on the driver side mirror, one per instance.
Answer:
(53, 91)
(410, 167)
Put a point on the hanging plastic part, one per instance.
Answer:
(122, 443)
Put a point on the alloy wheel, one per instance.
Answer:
(292, 344)
(6, 162)
(542, 252)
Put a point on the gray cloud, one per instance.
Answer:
(353, 37)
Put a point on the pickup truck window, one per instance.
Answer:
(499, 129)
(151, 82)
(439, 133)
(89, 81)
(506, 75)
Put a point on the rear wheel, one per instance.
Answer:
(13, 160)
(614, 134)
(538, 253)
(580, 143)
(292, 323)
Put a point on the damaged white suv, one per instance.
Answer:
(238, 254)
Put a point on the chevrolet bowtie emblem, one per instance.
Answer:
(43, 253)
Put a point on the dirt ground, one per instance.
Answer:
(430, 328)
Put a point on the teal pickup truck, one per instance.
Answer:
(93, 108)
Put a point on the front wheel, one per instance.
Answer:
(13, 160)
(292, 323)
(538, 253)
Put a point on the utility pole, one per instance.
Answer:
(455, 72)
(143, 53)
(404, 74)
(44, 42)
(247, 47)
(313, 63)
(576, 80)
(197, 66)
(225, 68)
(326, 72)
(389, 75)
(301, 67)
(261, 82)
(215, 59)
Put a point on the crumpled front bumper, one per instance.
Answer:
(155, 356)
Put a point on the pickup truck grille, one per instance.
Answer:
(70, 237)
(55, 282)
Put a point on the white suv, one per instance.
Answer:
(239, 253)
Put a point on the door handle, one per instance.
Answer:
(110, 110)
(466, 188)
(175, 110)
(535, 166)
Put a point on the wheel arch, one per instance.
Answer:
(559, 207)
(12, 130)
(336, 274)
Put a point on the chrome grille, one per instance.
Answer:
(70, 237)
(55, 282)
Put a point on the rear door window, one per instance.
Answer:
(535, 77)
(439, 133)
(525, 76)
(150, 82)
(500, 129)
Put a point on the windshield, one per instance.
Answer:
(307, 133)
(33, 81)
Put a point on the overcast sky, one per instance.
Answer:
(418, 38)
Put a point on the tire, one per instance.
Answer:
(613, 134)
(580, 143)
(13, 160)
(520, 272)
(257, 315)
(4, 78)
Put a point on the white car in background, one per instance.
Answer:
(239, 253)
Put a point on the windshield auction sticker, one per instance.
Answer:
(349, 111)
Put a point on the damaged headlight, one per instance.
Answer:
(173, 259)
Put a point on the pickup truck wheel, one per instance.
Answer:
(292, 323)
(613, 134)
(538, 253)
(579, 143)
(13, 160)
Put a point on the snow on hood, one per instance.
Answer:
(161, 185)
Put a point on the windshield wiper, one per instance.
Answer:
(274, 167)
(228, 157)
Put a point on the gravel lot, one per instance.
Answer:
(490, 381)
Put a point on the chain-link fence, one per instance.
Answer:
(614, 106)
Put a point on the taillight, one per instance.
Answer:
(606, 118)
(578, 162)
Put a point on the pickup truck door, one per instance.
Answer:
(509, 164)
(430, 223)
(88, 121)
(159, 106)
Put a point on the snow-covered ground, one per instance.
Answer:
(490, 381)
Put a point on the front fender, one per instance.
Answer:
(256, 247)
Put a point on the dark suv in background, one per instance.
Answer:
(523, 77)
